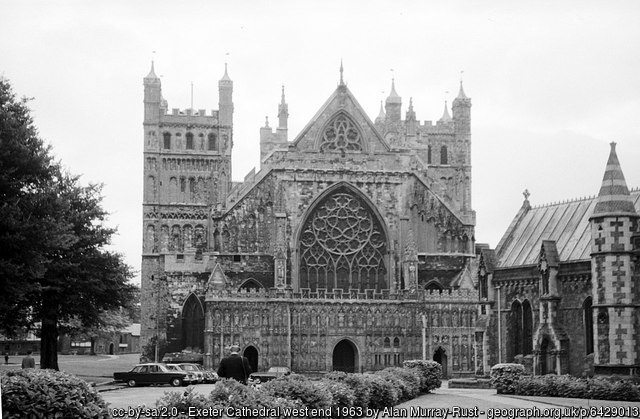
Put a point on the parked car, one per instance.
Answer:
(193, 369)
(154, 373)
(210, 376)
(271, 374)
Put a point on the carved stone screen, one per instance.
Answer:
(341, 134)
(342, 245)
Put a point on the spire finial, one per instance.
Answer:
(266, 121)
(282, 97)
(526, 194)
(152, 72)
(341, 72)
(226, 74)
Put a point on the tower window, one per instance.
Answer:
(428, 154)
(167, 140)
(443, 155)
(213, 142)
(189, 141)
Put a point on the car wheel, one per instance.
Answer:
(131, 383)
(176, 382)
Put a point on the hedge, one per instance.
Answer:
(35, 393)
(344, 393)
(601, 388)
(505, 376)
(429, 372)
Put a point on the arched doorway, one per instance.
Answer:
(440, 356)
(345, 356)
(251, 353)
(547, 364)
(111, 348)
(193, 324)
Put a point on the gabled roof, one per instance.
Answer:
(342, 100)
(566, 223)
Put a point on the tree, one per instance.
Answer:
(56, 267)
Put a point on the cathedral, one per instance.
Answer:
(352, 248)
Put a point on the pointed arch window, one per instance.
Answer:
(213, 142)
(343, 245)
(429, 154)
(515, 329)
(587, 307)
(341, 134)
(166, 138)
(189, 141)
(444, 157)
(527, 327)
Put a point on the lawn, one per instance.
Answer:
(97, 368)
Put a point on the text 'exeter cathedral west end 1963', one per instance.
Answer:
(353, 249)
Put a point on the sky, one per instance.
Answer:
(552, 83)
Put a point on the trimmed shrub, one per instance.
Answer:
(430, 373)
(230, 393)
(505, 376)
(405, 380)
(613, 389)
(567, 386)
(383, 393)
(181, 402)
(342, 396)
(48, 393)
(356, 382)
(297, 387)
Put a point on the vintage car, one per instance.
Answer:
(271, 374)
(154, 373)
(193, 369)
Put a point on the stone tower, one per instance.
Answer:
(615, 285)
(187, 171)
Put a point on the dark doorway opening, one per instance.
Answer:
(345, 356)
(193, 324)
(440, 356)
(111, 349)
(251, 353)
(547, 364)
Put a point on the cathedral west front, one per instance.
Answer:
(352, 248)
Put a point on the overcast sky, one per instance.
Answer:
(551, 83)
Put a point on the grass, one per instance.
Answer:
(96, 368)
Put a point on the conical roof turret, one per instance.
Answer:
(225, 77)
(152, 73)
(393, 96)
(614, 198)
(381, 115)
(461, 94)
(445, 116)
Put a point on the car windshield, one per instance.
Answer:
(173, 367)
(278, 369)
(188, 367)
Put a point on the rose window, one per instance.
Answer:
(342, 245)
(341, 134)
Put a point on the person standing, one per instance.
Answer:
(28, 361)
(235, 366)
(6, 358)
